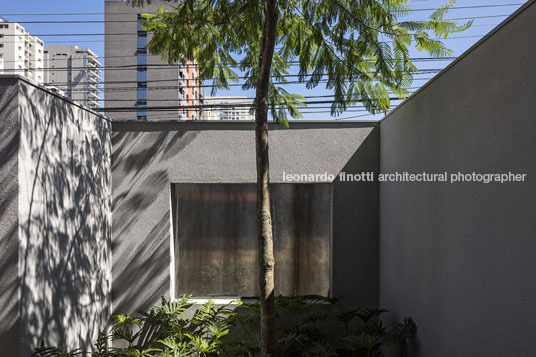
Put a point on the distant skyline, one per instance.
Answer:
(20, 11)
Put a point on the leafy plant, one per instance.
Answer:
(315, 326)
(308, 326)
(171, 329)
(43, 351)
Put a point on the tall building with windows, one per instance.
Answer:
(21, 52)
(142, 86)
(227, 108)
(75, 72)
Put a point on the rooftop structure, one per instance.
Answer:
(227, 108)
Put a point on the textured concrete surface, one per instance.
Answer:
(459, 258)
(9, 217)
(355, 271)
(59, 223)
(149, 157)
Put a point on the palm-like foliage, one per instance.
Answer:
(358, 48)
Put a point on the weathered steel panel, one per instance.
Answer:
(216, 250)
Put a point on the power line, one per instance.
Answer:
(124, 34)
(103, 41)
(200, 107)
(476, 17)
(100, 83)
(130, 13)
(413, 59)
(151, 88)
(471, 7)
(71, 87)
(183, 86)
(135, 21)
(242, 102)
(121, 34)
(145, 67)
(356, 116)
(128, 67)
(126, 89)
(302, 110)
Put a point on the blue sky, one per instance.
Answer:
(487, 19)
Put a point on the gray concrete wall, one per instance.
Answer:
(58, 218)
(355, 272)
(460, 258)
(9, 217)
(148, 157)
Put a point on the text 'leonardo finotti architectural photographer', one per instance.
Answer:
(406, 177)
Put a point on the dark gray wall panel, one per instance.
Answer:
(216, 240)
(356, 228)
(217, 247)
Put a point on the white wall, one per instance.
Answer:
(64, 220)
(460, 258)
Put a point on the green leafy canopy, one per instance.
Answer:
(357, 47)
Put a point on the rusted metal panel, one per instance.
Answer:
(216, 250)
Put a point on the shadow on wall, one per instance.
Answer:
(142, 260)
(65, 257)
(143, 276)
(131, 163)
(9, 144)
(356, 228)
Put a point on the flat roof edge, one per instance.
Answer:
(44, 89)
(236, 125)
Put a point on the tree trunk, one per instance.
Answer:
(264, 216)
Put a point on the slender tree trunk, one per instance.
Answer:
(264, 216)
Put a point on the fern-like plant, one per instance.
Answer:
(173, 328)
(315, 326)
(308, 326)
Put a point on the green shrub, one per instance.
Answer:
(315, 326)
(169, 329)
(307, 326)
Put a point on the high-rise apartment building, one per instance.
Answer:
(75, 72)
(142, 86)
(21, 52)
(227, 108)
